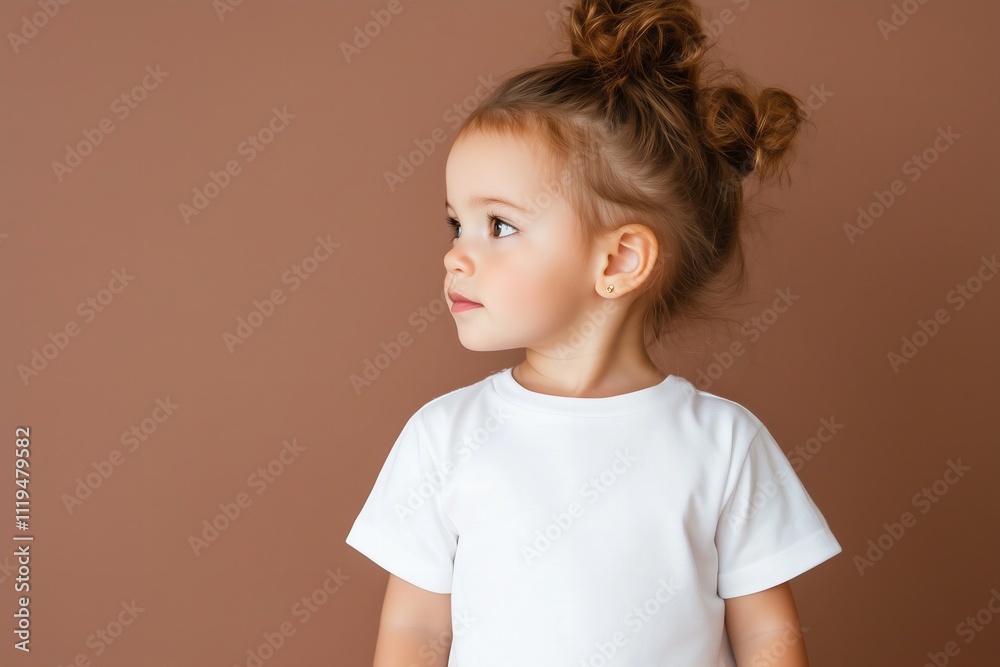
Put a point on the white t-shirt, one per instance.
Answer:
(581, 532)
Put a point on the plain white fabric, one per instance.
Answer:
(581, 532)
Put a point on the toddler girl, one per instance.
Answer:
(582, 509)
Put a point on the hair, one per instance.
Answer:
(651, 132)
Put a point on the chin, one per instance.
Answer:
(479, 344)
(476, 345)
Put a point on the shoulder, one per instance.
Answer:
(724, 422)
(438, 415)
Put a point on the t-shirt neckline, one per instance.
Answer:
(632, 402)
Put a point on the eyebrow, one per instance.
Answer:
(482, 201)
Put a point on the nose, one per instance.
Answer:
(457, 260)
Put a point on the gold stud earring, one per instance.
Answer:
(611, 288)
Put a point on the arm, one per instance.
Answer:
(415, 628)
(764, 629)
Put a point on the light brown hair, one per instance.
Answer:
(652, 132)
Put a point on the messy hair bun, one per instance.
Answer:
(631, 39)
(751, 130)
(663, 41)
(646, 127)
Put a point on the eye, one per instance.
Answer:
(497, 221)
(494, 220)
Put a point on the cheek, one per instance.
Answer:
(540, 288)
(542, 273)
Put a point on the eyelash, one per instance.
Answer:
(455, 224)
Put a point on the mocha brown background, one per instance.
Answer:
(881, 101)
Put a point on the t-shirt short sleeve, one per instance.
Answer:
(770, 530)
(402, 527)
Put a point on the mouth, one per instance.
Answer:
(460, 303)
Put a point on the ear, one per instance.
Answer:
(629, 255)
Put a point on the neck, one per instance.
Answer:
(611, 361)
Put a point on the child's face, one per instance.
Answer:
(532, 275)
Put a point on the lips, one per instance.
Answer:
(458, 298)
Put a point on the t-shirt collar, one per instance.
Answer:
(641, 400)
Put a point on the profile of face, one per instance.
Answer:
(522, 258)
